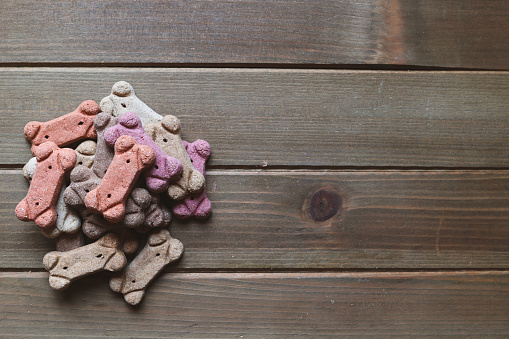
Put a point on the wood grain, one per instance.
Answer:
(223, 305)
(287, 118)
(432, 33)
(268, 220)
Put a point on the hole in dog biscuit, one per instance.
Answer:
(80, 123)
(133, 281)
(158, 254)
(87, 190)
(99, 255)
(50, 167)
(109, 195)
(80, 163)
(165, 140)
(157, 167)
(65, 267)
(36, 204)
(123, 105)
(128, 161)
(191, 160)
(46, 136)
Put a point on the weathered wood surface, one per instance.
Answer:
(273, 220)
(223, 305)
(428, 33)
(289, 117)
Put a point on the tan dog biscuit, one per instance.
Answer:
(166, 134)
(40, 203)
(66, 129)
(122, 99)
(86, 153)
(104, 153)
(110, 196)
(65, 267)
(161, 249)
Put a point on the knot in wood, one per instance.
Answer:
(324, 205)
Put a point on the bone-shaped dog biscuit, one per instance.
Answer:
(104, 153)
(164, 169)
(39, 204)
(196, 204)
(161, 249)
(86, 153)
(166, 134)
(65, 267)
(84, 180)
(122, 99)
(110, 196)
(66, 129)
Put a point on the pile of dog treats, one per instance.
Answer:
(109, 190)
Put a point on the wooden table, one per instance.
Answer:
(359, 174)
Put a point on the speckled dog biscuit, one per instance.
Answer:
(40, 203)
(167, 135)
(196, 204)
(66, 129)
(157, 215)
(65, 267)
(110, 196)
(104, 154)
(122, 99)
(164, 169)
(68, 220)
(86, 153)
(161, 249)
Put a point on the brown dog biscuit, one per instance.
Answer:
(161, 249)
(68, 242)
(122, 99)
(156, 214)
(166, 134)
(66, 129)
(40, 203)
(104, 153)
(65, 267)
(110, 196)
(86, 153)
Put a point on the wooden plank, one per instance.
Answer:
(474, 304)
(432, 33)
(289, 117)
(272, 220)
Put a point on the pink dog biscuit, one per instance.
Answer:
(40, 203)
(164, 169)
(66, 129)
(110, 196)
(104, 153)
(68, 220)
(196, 204)
(65, 267)
(166, 134)
(161, 249)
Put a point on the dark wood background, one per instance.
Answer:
(397, 110)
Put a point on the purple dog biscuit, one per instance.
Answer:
(196, 204)
(104, 154)
(165, 168)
